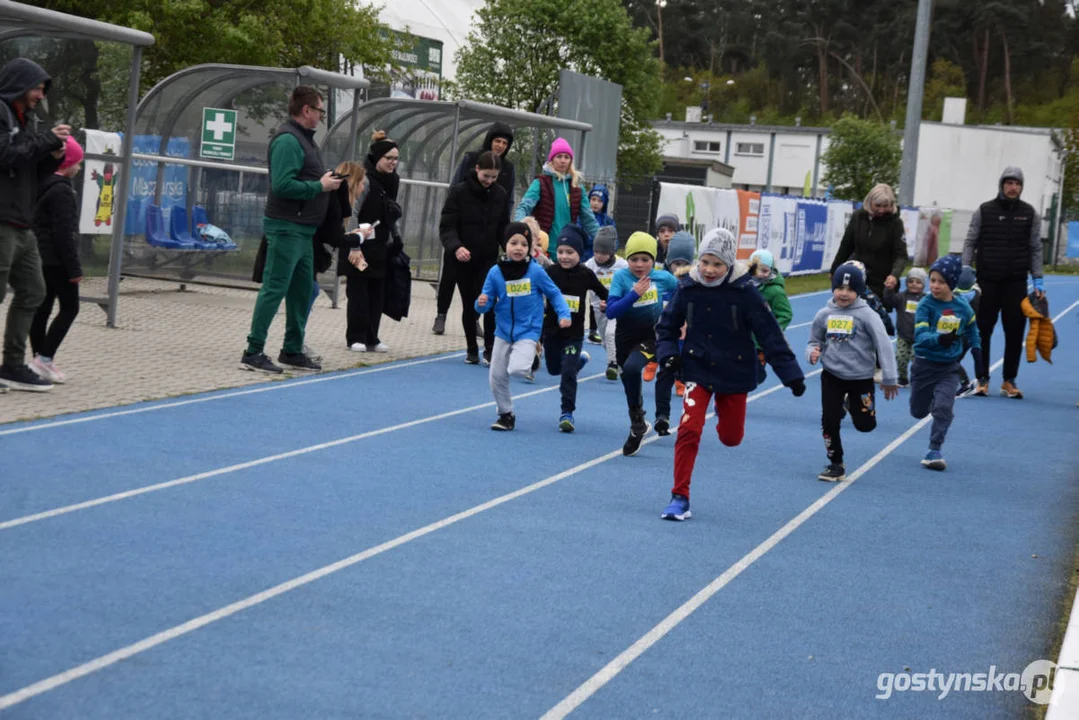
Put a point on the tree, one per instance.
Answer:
(517, 48)
(946, 79)
(861, 154)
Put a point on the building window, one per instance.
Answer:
(749, 149)
(705, 146)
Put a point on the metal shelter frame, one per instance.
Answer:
(18, 20)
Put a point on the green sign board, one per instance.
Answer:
(415, 52)
(218, 134)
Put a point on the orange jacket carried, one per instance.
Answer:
(1041, 338)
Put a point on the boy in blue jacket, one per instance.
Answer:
(515, 289)
(722, 311)
(943, 325)
(636, 301)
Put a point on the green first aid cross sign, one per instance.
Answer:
(218, 134)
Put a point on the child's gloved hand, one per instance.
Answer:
(946, 339)
(672, 362)
(798, 388)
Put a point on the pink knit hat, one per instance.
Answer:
(72, 153)
(558, 147)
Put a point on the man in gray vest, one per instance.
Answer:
(1005, 243)
(295, 206)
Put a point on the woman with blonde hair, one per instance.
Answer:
(875, 236)
(556, 197)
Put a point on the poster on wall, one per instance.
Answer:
(839, 215)
(810, 236)
(749, 204)
(143, 189)
(99, 178)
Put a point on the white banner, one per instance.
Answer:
(100, 184)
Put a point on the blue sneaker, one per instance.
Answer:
(565, 423)
(585, 357)
(934, 460)
(678, 509)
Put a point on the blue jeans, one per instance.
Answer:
(564, 357)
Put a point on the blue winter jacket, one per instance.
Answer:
(721, 322)
(518, 304)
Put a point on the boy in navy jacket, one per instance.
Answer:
(722, 311)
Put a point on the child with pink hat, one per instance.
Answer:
(556, 198)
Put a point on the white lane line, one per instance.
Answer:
(104, 661)
(116, 497)
(239, 393)
(591, 686)
(792, 327)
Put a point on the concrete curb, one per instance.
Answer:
(1064, 703)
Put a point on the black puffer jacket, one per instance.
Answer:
(56, 225)
(25, 151)
(474, 217)
(876, 241)
(507, 177)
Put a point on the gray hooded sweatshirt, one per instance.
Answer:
(852, 341)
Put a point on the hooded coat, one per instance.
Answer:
(25, 150)
(507, 176)
(878, 242)
(56, 225)
(1041, 337)
(1004, 240)
(603, 218)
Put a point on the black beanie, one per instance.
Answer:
(379, 148)
(517, 228)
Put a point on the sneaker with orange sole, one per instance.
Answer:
(649, 373)
(982, 389)
(1009, 390)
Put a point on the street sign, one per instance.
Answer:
(218, 134)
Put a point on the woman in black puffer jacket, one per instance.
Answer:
(473, 221)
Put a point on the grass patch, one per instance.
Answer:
(797, 284)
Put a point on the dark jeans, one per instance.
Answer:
(564, 357)
(1003, 298)
(366, 298)
(632, 384)
(470, 277)
(664, 385)
(834, 392)
(57, 287)
(447, 280)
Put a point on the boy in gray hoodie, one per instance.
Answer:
(849, 339)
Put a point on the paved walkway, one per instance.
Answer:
(171, 342)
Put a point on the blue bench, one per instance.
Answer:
(184, 249)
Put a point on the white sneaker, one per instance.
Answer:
(310, 352)
(47, 371)
(357, 347)
(381, 348)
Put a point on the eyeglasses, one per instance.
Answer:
(392, 158)
(321, 111)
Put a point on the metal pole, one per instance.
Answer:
(816, 166)
(116, 253)
(771, 162)
(535, 148)
(453, 144)
(915, 92)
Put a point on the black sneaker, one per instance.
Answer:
(535, 364)
(23, 378)
(633, 442)
(472, 357)
(298, 361)
(594, 338)
(440, 325)
(258, 362)
(833, 473)
(663, 426)
(612, 371)
(504, 423)
(487, 358)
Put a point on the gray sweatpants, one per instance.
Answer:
(506, 360)
(932, 390)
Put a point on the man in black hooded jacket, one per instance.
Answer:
(27, 156)
(499, 140)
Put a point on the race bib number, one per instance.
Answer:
(606, 281)
(518, 288)
(574, 302)
(912, 305)
(840, 324)
(650, 297)
(949, 323)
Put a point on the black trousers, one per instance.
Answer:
(45, 339)
(447, 280)
(469, 279)
(366, 298)
(834, 392)
(1003, 298)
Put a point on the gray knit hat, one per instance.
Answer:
(670, 220)
(682, 247)
(719, 243)
(917, 273)
(606, 240)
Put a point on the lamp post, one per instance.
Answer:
(660, 4)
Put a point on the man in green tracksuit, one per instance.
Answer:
(295, 205)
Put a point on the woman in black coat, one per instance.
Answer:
(875, 235)
(366, 289)
(473, 221)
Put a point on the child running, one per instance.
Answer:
(515, 289)
(635, 301)
(848, 338)
(773, 288)
(722, 312)
(681, 252)
(562, 346)
(604, 264)
(905, 303)
(969, 290)
(943, 325)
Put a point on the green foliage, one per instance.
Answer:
(860, 154)
(514, 54)
(946, 79)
